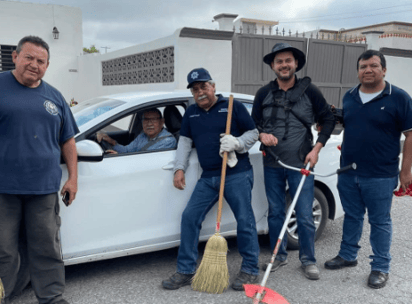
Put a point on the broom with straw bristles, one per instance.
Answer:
(212, 276)
(2, 292)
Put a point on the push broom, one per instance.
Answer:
(212, 276)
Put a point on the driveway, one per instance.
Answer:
(137, 279)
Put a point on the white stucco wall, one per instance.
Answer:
(213, 55)
(19, 19)
(89, 80)
(396, 43)
(189, 53)
(398, 72)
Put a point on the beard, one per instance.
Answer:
(287, 77)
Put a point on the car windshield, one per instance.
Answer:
(93, 108)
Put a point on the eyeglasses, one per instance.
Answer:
(152, 120)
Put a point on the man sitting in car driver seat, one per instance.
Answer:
(153, 136)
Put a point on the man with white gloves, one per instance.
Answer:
(203, 125)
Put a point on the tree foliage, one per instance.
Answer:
(90, 50)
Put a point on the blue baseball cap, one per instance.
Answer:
(196, 75)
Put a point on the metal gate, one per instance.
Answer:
(330, 64)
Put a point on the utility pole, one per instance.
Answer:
(105, 47)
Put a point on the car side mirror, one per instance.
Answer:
(89, 151)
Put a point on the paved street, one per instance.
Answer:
(137, 279)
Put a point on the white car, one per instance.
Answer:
(126, 203)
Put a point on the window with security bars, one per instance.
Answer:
(155, 66)
(6, 62)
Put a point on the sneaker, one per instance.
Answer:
(276, 265)
(244, 278)
(311, 272)
(177, 280)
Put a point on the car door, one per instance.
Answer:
(125, 204)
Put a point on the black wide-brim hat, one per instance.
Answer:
(284, 47)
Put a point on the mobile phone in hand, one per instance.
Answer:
(66, 197)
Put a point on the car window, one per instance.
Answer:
(125, 130)
(93, 108)
(119, 125)
(248, 105)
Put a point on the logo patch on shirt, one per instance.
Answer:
(383, 108)
(223, 110)
(194, 115)
(194, 75)
(51, 107)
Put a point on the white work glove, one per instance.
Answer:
(229, 143)
(231, 158)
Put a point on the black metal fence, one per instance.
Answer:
(318, 35)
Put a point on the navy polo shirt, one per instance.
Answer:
(373, 130)
(205, 127)
(34, 123)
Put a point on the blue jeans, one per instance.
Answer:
(238, 194)
(275, 185)
(374, 194)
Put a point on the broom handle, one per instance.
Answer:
(224, 164)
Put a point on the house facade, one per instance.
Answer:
(163, 64)
(19, 19)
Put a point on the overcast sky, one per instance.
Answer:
(121, 23)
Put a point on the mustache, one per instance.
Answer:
(202, 97)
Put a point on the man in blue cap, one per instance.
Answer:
(203, 124)
(284, 111)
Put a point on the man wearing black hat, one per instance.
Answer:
(203, 124)
(284, 111)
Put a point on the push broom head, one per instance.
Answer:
(212, 276)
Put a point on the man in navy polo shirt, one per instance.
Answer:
(36, 129)
(203, 124)
(375, 114)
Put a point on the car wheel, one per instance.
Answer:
(320, 212)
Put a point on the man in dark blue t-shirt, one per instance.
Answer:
(36, 129)
(203, 124)
(375, 114)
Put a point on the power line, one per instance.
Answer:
(105, 47)
(352, 17)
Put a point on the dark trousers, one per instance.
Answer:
(40, 214)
